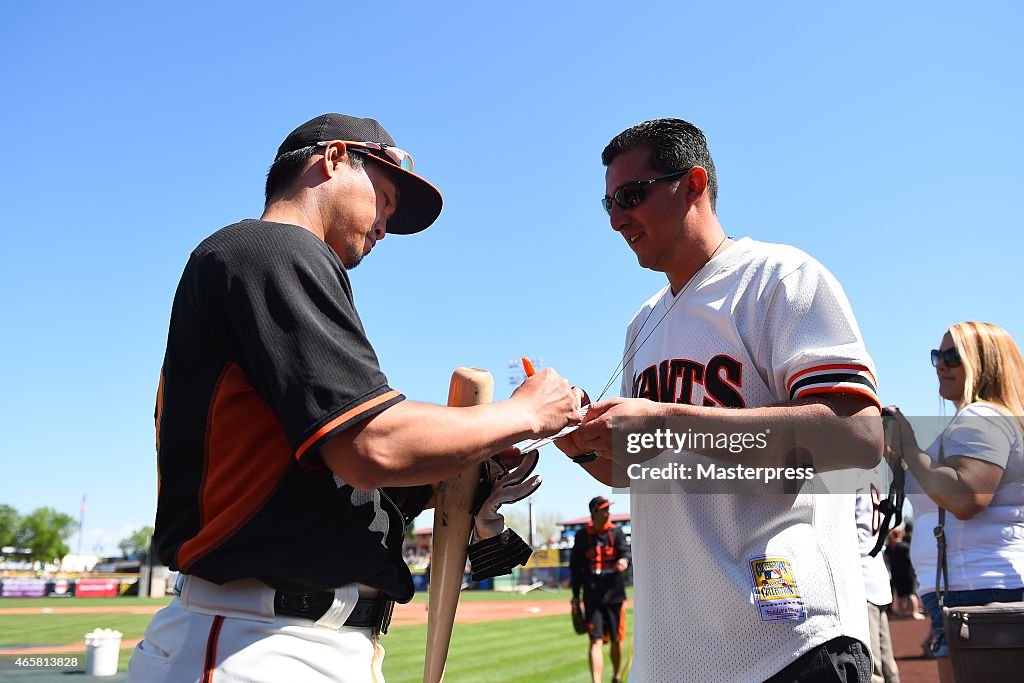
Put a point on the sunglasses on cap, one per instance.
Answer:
(950, 357)
(393, 155)
(632, 193)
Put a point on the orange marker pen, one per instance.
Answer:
(528, 367)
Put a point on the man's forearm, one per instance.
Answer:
(420, 443)
(604, 471)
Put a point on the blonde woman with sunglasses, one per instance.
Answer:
(975, 470)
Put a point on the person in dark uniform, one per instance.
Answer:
(600, 555)
(288, 465)
(905, 603)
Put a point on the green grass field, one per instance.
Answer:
(534, 650)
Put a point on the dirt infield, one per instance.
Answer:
(906, 646)
(475, 612)
(405, 615)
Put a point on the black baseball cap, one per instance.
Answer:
(419, 202)
(599, 503)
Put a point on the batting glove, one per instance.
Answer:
(496, 550)
(510, 487)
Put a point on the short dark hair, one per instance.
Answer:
(289, 166)
(674, 145)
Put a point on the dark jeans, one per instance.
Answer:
(981, 596)
(840, 660)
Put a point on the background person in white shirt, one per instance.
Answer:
(981, 483)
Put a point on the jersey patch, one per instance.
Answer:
(775, 591)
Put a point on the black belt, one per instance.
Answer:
(368, 612)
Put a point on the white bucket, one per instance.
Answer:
(102, 649)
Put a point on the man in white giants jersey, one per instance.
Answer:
(731, 587)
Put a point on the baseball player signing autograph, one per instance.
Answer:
(288, 465)
(729, 587)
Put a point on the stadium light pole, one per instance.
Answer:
(533, 526)
(81, 524)
(516, 375)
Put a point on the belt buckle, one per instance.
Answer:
(382, 612)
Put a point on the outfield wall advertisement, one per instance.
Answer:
(96, 588)
(67, 588)
(22, 588)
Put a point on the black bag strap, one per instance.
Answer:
(891, 507)
(941, 569)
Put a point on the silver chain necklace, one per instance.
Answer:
(588, 457)
(626, 356)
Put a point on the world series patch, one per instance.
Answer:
(775, 590)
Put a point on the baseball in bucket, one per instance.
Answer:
(102, 648)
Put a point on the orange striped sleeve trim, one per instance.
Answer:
(342, 419)
(836, 366)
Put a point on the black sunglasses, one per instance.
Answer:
(950, 357)
(632, 193)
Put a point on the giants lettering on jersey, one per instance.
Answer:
(672, 381)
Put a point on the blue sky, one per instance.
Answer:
(882, 138)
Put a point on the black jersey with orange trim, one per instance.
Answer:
(266, 359)
(592, 564)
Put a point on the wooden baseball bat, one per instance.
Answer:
(453, 522)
